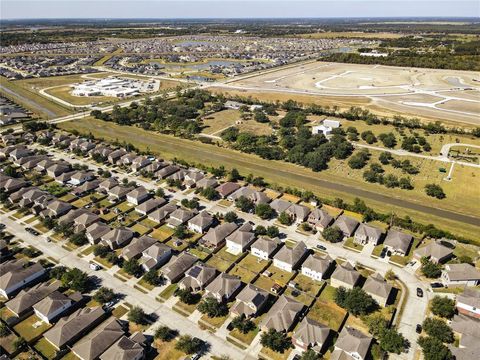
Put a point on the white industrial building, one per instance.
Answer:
(115, 87)
(326, 127)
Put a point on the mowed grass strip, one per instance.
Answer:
(281, 173)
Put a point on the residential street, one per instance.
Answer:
(413, 313)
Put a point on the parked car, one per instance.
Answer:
(32, 231)
(436, 285)
(419, 292)
(95, 266)
(321, 247)
(2, 226)
(418, 328)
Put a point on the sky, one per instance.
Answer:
(167, 9)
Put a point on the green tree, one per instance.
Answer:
(434, 349)
(4, 331)
(310, 355)
(443, 306)
(78, 239)
(264, 211)
(244, 204)
(276, 341)
(132, 267)
(243, 324)
(230, 217)
(209, 193)
(272, 231)
(180, 232)
(104, 295)
(164, 333)
(430, 269)
(333, 234)
(152, 277)
(188, 345)
(438, 329)
(355, 300)
(435, 191)
(392, 341)
(57, 272)
(234, 175)
(137, 315)
(285, 219)
(187, 297)
(76, 279)
(212, 308)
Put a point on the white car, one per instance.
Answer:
(95, 267)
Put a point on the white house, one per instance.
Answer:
(468, 303)
(326, 127)
(52, 306)
(14, 276)
(460, 275)
(288, 259)
(264, 248)
(316, 266)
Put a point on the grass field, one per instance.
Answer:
(351, 35)
(295, 176)
(28, 331)
(216, 122)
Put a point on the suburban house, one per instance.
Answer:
(136, 247)
(115, 156)
(167, 171)
(138, 195)
(99, 340)
(264, 248)
(367, 234)
(159, 215)
(223, 287)
(310, 335)
(155, 256)
(126, 348)
(56, 208)
(58, 169)
(353, 343)
(467, 329)
(95, 232)
(240, 239)
(118, 192)
(297, 213)
(316, 266)
(140, 162)
(288, 259)
(257, 197)
(15, 274)
(79, 177)
(282, 315)
(177, 266)
(180, 217)
(73, 327)
(117, 237)
(197, 277)
(320, 219)
(192, 177)
(250, 301)
(346, 224)
(86, 187)
(460, 275)
(227, 188)
(206, 182)
(54, 305)
(398, 242)
(468, 303)
(215, 237)
(435, 252)
(107, 184)
(64, 178)
(148, 206)
(84, 219)
(21, 305)
(326, 127)
(201, 222)
(378, 289)
(345, 275)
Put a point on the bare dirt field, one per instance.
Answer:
(411, 91)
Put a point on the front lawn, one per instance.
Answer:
(167, 351)
(350, 244)
(253, 263)
(270, 354)
(244, 338)
(168, 291)
(119, 311)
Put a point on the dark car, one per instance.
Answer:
(436, 285)
(321, 247)
(418, 328)
(2, 226)
(419, 292)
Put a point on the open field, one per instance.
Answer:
(215, 123)
(64, 93)
(351, 35)
(383, 89)
(447, 214)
